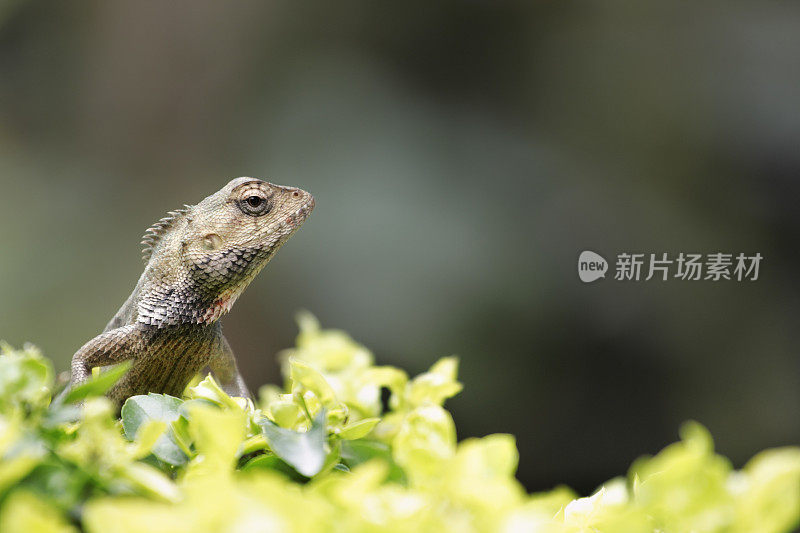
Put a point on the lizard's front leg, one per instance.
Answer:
(107, 348)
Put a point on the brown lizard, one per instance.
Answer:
(198, 261)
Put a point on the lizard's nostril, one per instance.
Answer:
(296, 194)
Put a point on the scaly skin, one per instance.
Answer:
(199, 260)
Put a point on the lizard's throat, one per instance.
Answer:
(219, 307)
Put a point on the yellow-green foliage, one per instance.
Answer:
(323, 454)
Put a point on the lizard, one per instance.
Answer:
(198, 261)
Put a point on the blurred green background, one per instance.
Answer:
(462, 155)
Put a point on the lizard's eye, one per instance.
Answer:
(255, 205)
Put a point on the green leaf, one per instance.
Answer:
(65, 484)
(217, 435)
(355, 452)
(333, 458)
(274, 463)
(436, 385)
(253, 444)
(139, 410)
(25, 511)
(209, 390)
(59, 414)
(304, 451)
(310, 379)
(25, 377)
(134, 515)
(425, 443)
(151, 481)
(147, 436)
(97, 386)
(771, 500)
(359, 429)
(13, 470)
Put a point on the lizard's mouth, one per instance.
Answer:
(285, 226)
(295, 219)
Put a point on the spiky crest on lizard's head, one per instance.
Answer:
(154, 233)
(200, 258)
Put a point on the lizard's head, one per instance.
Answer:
(246, 213)
(219, 245)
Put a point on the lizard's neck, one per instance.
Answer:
(219, 307)
(181, 304)
(200, 293)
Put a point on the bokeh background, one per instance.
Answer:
(462, 155)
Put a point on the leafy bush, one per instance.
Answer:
(324, 453)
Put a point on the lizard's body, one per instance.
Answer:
(199, 260)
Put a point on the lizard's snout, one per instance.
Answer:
(305, 199)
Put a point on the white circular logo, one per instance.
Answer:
(591, 266)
